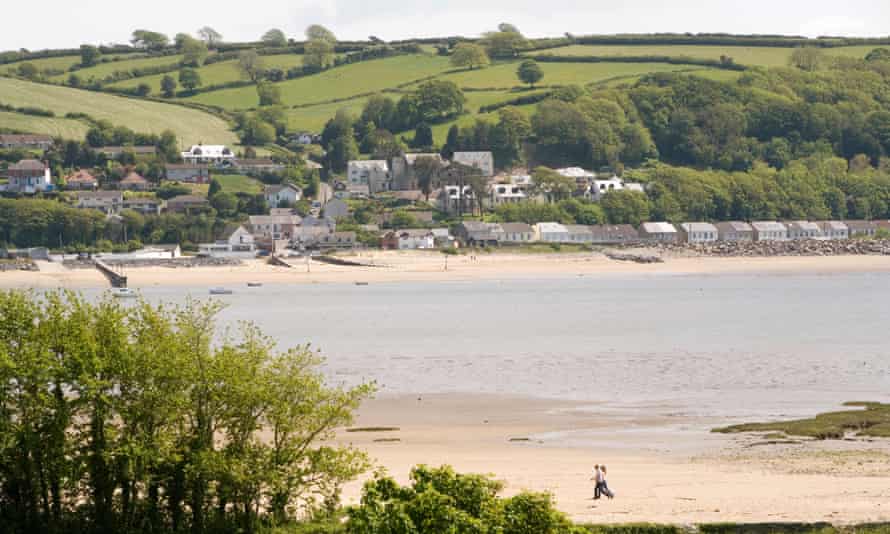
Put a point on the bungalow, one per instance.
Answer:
(600, 188)
(372, 173)
(551, 232)
(336, 209)
(735, 231)
(285, 194)
(403, 176)
(187, 204)
(833, 230)
(134, 182)
(29, 176)
(257, 166)
(479, 233)
(210, 154)
(578, 233)
(235, 240)
(798, 230)
(114, 152)
(108, 202)
(862, 228)
(40, 142)
(81, 179)
(275, 227)
(769, 231)
(408, 240)
(517, 233)
(145, 206)
(614, 233)
(483, 161)
(698, 232)
(189, 173)
(659, 231)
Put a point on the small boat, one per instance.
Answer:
(123, 293)
(220, 291)
(361, 283)
(254, 284)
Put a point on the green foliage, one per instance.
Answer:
(270, 94)
(469, 55)
(89, 55)
(149, 39)
(868, 419)
(250, 65)
(142, 418)
(503, 44)
(274, 38)
(256, 132)
(168, 86)
(189, 78)
(626, 207)
(530, 72)
(194, 52)
(318, 52)
(807, 58)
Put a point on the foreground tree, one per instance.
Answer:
(143, 419)
(469, 55)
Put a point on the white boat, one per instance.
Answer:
(221, 291)
(123, 293)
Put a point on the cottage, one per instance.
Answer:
(108, 202)
(371, 173)
(257, 166)
(614, 233)
(698, 232)
(861, 228)
(29, 176)
(769, 231)
(134, 182)
(551, 232)
(235, 241)
(517, 233)
(81, 180)
(404, 178)
(336, 209)
(578, 233)
(282, 195)
(799, 230)
(190, 173)
(483, 161)
(833, 230)
(209, 154)
(408, 240)
(735, 231)
(274, 227)
(26, 141)
(145, 206)
(659, 231)
(475, 233)
(187, 204)
(115, 152)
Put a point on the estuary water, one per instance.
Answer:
(720, 345)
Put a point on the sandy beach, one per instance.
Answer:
(419, 266)
(662, 469)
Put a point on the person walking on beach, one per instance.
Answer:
(604, 485)
(598, 480)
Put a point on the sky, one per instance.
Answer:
(38, 24)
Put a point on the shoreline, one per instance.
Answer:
(418, 266)
(694, 477)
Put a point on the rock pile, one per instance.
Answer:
(811, 247)
(18, 265)
(635, 258)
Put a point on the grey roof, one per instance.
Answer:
(861, 225)
(275, 189)
(578, 229)
(658, 228)
(614, 231)
(698, 227)
(734, 226)
(517, 228)
(769, 226)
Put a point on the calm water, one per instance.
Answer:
(702, 345)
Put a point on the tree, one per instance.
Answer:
(807, 58)
(626, 207)
(274, 37)
(508, 135)
(318, 55)
(506, 27)
(469, 55)
(149, 40)
(503, 44)
(226, 204)
(189, 78)
(317, 32)
(878, 54)
(89, 55)
(194, 52)
(382, 144)
(530, 72)
(250, 65)
(427, 169)
(341, 151)
(143, 89)
(269, 94)
(438, 99)
(552, 184)
(423, 136)
(168, 86)
(210, 36)
(257, 132)
(28, 71)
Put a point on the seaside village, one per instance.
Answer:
(403, 217)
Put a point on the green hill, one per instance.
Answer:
(190, 125)
(54, 126)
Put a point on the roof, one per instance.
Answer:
(275, 189)
(28, 165)
(81, 195)
(578, 229)
(658, 228)
(804, 225)
(478, 226)
(133, 149)
(606, 231)
(256, 220)
(517, 228)
(186, 166)
(412, 158)
(371, 165)
(415, 232)
(473, 159)
(698, 227)
(80, 176)
(769, 226)
(861, 225)
(734, 226)
(187, 199)
(313, 165)
(551, 228)
(576, 172)
(832, 225)
(209, 151)
(133, 178)
(443, 232)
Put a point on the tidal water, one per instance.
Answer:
(723, 345)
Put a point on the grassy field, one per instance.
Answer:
(341, 82)
(51, 63)
(56, 127)
(103, 70)
(217, 73)
(238, 183)
(313, 118)
(745, 55)
(190, 126)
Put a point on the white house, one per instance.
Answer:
(235, 241)
(517, 233)
(275, 227)
(452, 197)
(600, 188)
(658, 231)
(483, 161)
(698, 232)
(288, 194)
(29, 176)
(769, 231)
(212, 154)
(803, 230)
(834, 230)
(506, 194)
(409, 240)
(108, 202)
(551, 232)
(372, 173)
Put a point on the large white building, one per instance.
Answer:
(29, 176)
(372, 173)
(209, 154)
